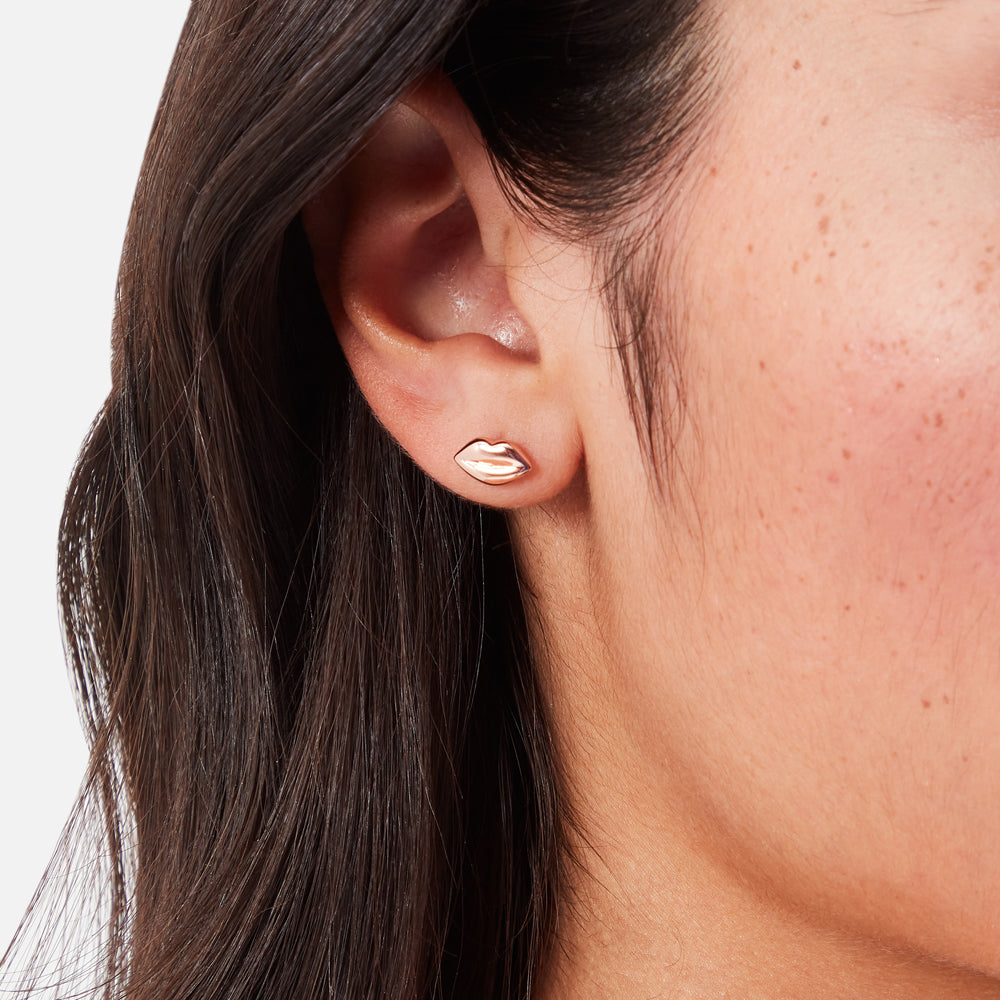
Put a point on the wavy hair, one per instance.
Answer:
(321, 764)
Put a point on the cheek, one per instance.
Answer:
(850, 492)
(908, 473)
(844, 395)
(855, 552)
(855, 380)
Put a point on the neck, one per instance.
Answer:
(645, 918)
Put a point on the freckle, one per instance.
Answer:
(833, 253)
(833, 478)
(818, 281)
(961, 394)
(820, 198)
(825, 120)
(749, 248)
(866, 244)
(940, 283)
(925, 703)
(926, 419)
(847, 607)
(946, 699)
(796, 65)
(763, 367)
(920, 576)
(899, 584)
(965, 760)
(980, 287)
(918, 436)
(760, 513)
(930, 485)
(824, 224)
(934, 223)
(714, 171)
(938, 419)
(900, 386)
(806, 256)
(795, 267)
(847, 454)
(801, 579)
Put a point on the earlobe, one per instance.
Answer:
(410, 246)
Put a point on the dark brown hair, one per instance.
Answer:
(321, 764)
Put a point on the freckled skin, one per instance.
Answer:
(843, 428)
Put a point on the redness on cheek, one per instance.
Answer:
(917, 457)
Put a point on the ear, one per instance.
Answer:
(416, 251)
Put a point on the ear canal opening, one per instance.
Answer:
(454, 287)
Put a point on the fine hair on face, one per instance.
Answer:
(321, 764)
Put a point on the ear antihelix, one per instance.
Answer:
(493, 464)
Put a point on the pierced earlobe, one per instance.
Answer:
(493, 464)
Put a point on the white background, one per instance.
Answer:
(79, 83)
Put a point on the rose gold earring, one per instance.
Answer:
(493, 464)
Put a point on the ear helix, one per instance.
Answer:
(493, 464)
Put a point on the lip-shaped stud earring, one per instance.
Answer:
(493, 464)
